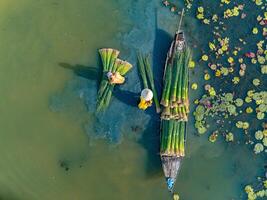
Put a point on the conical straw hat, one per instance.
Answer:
(147, 94)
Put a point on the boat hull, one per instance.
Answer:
(171, 166)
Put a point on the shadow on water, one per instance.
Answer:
(150, 139)
(126, 97)
(161, 46)
(88, 72)
(151, 135)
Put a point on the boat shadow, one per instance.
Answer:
(150, 139)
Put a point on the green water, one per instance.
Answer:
(47, 144)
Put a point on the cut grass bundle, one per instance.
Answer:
(110, 63)
(173, 134)
(146, 74)
(175, 98)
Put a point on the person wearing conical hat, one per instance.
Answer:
(115, 78)
(145, 99)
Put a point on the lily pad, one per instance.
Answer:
(248, 99)
(261, 59)
(239, 102)
(264, 141)
(200, 109)
(260, 115)
(229, 137)
(200, 9)
(239, 124)
(264, 69)
(258, 135)
(258, 148)
(204, 57)
(255, 31)
(249, 110)
(201, 129)
(194, 86)
(245, 125)
(229, 97)
(262, 107)
(231, 109)
(256, 82)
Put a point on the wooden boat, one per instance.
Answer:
(171, 163)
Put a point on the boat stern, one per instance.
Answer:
(171, 166)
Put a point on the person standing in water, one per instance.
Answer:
(145, 99)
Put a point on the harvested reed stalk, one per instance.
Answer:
(152, 84)
(110, 63)
(142, 71)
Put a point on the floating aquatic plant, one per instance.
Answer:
(239, 102)
(258, 148)
(259, 190)
(258, 135)
(255, 30)
(229, 137)
(204, 57)
(256, 82)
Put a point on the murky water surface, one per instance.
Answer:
(54, 147)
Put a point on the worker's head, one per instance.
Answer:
(147, 94)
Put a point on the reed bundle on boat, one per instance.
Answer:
(175, 102)
(111, 64)
(175, 99)
(172, 138)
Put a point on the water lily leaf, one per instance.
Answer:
(249, 110)
(250, 93)
(256, 96)
(258, 148)
(264, 69)
(212, 46)
(200, 109)
(229, 137)
(201, 129)
(245, 125)
(231, 109)
(255, 30)
(256, 82)
(261, 59)
(200, 9)
(198, 116)
(260, 116)
(239, 102)
(264, 141)
(262, 107)
(229, 97)
(248, 99)
(204, 57)
(239, 124)
(258, 135)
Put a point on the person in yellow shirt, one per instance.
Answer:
(115, 78)
(145, 99)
